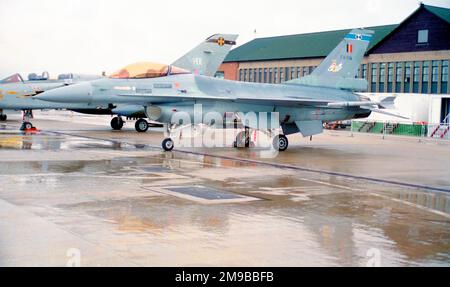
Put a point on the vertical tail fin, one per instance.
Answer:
(206, 58)
(345, 59)
(339, 70)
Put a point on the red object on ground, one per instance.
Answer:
(32, 130)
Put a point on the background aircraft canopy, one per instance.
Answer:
(16, 78)
(145, 70)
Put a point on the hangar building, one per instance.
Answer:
(410, 57)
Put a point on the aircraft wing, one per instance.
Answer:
(155, 99)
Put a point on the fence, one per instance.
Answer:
(391, 128)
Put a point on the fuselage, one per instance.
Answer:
(179, 93)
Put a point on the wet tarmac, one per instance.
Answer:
(77, 193)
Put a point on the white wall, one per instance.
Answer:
(417, 107)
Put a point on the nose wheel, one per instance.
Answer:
(26, 126)
(280, 143)
(167, 144)
(117, 123)
(141, 126)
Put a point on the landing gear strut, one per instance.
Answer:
(242, 139)
(141, 126)
(117, 123)
(26, 124)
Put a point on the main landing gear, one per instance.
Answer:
(117, 123)
(279, 142)
(141, 126)
(3, 118)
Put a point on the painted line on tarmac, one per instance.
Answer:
(283, 166)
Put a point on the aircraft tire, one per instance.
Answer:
(26, 126)
(141, 126)
(3, 118)
(117, 123)
(167, 144)
(280, 143)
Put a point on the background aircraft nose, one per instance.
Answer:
(81, 92)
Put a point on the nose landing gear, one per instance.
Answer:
(26, 124)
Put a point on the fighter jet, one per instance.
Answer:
(302, 105)
(16, 94)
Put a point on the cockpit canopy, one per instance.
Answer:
(146, 70)
(16, 78)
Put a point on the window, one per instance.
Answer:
(275, 75)
(364, 71)
(299, 72)
(250, 74)
(422, 36)
(444, 82)
(435, 72)
(305, 71)
(425, 71)
(444, 71)
(408, 72)
(390, 72)
(265, 75)
(220, 75)
(293, 73)
(374, 73)
(282, 75)
(416, 72)
(270, 75)
(245, 75)
(399, 72)
(260, 75)
(241, 75)
(425, 75)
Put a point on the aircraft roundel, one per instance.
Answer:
(221, 41)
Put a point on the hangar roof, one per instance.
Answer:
(442, 13)
(311, 45)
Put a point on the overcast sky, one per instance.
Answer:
(91, 36)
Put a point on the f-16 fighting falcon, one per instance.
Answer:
(16, 94)
(302, 105)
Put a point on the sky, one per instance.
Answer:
(91, 36)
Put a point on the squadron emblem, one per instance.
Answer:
(334, 68)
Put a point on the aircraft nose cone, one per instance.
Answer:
(81, 92)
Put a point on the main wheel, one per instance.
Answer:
(280, 143)
(242, 140)
(117, 123)
(167, 144)
(3, 118)
(141, 126)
